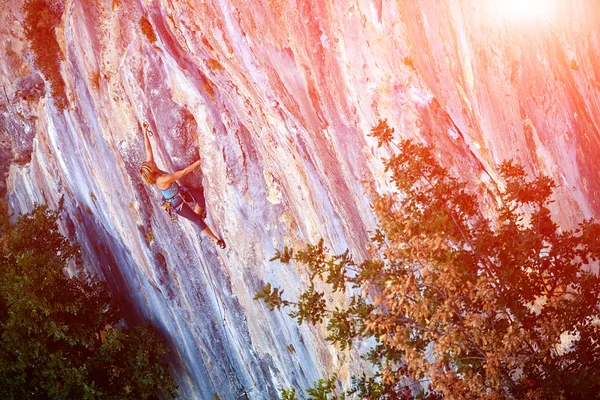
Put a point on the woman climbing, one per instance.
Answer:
(175, 195)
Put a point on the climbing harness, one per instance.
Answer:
(168, 207)
(170, 204)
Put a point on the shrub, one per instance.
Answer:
(58, 335)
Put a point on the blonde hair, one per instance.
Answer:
(149, 172)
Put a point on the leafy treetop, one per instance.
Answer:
(474, 305)
(58, 335)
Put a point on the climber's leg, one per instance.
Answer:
(186, 212)
(198, 197)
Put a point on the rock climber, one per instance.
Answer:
(175, 195)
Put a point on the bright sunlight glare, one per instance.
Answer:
(527, 9)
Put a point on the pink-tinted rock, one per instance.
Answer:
(277, 99)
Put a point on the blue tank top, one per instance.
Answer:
(170, 194)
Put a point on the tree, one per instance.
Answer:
(473, 301)
(58, 335)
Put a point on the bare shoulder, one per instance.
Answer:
(164, 181)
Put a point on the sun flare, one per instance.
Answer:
(528, 9)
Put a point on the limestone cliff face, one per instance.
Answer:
(277, 98)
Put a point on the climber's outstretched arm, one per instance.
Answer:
(168, 178)
(149, 155)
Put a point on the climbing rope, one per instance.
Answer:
(219, 298)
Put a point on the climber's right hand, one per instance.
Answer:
(146, 128)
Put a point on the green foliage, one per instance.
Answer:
(370, 387)
(40, 23)
(310, 307)
(346, 324)
(57, 334)
(472, 302)
(288, 394)
(324, 389)
(271, 296)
